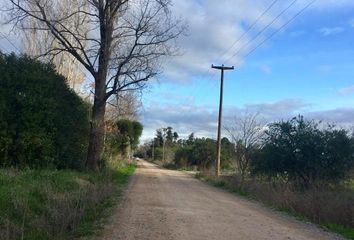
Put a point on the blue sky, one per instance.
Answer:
(306, 68)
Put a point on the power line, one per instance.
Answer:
(282, 27)
(238, 39)
(245, 56)
(2, 47)
(264, 29)
(243, 34)
(257, 35)
(249, 28)
(4, 36)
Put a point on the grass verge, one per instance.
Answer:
(57, 204)
(331, 210)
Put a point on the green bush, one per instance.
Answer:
(301, 151)
(201, 152)
(42, 122)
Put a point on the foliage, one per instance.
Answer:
(186, 153)
(56, 204)
(124, 136)
(203, 153)
(130, 130)
(301, 151)
(42, 122)
(165, 136)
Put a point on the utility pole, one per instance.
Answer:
(153, 150)
(217, 162)
(163, 150)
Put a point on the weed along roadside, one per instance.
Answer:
(58, 204)
(329, 209)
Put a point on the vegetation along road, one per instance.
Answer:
(166, 204)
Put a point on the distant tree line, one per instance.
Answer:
(299, 151)
(197, 153)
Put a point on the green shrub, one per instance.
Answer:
(301, 151)
(42, 122)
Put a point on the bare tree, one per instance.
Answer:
(246, 132)
(125, 105)
(37, 42)
(121, 47)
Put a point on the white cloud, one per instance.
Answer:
(325, 68)
(330, 3)
(202, 120)
(214, 26)
(330, 31)
(351, 22)
(295, 34)
(340, 116)
(346, 90)
(279, 109)
(9, 41)
(266, 69)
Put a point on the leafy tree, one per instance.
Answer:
(125, 136)
(183, 157)
(175, 137)
(42, 122)
(204, 152)
(301, 151)
(159, 139)
(190, 139)
(169, 134)
(227, 153)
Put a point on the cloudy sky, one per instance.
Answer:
(306, 68)
(282, 68)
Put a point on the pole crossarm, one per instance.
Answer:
(222, 67)
(217, 162)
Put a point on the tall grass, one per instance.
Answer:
(329, 206)
(55, 204)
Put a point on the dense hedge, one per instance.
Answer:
(43, 123)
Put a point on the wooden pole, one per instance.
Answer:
(217, 162)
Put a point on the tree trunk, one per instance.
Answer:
(97, 132)
(96, 140)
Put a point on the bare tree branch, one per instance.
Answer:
(121, 43)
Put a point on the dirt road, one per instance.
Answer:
(164, 204)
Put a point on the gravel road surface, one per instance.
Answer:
(164, 204)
